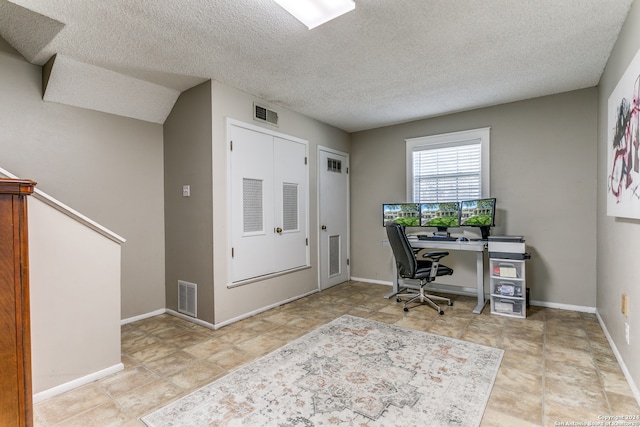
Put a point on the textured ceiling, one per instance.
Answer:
(387, 62)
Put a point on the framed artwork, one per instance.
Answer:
(623, 162)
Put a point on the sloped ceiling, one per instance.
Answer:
(28, 31)
(387, 62)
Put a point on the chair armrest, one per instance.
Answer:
(435, 255)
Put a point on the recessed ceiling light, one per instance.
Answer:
(316, 12)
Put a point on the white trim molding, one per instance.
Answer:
(143, 316)
(62, 388)
(623, 366)
(451, 139)
(70, 212)
(376, 282)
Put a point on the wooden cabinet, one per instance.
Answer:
(15, 335)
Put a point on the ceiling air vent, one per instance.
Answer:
(265, 115)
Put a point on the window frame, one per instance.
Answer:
(451, 139)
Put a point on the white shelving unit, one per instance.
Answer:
(508, 287)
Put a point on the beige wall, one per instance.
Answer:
(74, 276)
(618, 238)
(543, 174)
(189, 220)
(112, 169)
(236, 302)
(107, 167)
(197, 247)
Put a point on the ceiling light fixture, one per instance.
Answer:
(316, 12)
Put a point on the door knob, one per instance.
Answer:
(278, 230)
(324, 227)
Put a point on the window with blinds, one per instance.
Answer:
(449, 167)
(447, 174)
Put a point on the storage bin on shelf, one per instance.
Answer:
(510, 269)
(508, 289)
(515, 307)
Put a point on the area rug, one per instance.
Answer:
(350, 372)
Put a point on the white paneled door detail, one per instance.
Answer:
(333, 207)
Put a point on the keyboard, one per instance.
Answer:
(437, 238)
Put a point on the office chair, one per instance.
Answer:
(410, 267)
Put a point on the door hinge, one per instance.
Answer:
(306, 241)
(347, 261)
(347, 171)
(230, 145)
(232, 252)
(305, 160)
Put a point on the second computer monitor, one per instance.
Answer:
(441, 215)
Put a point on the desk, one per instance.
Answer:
(477, 246)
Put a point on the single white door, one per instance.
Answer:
(290, 218)
(333, 207)
(252, 203)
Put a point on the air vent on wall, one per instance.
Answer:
(263, 114)
(187, 298)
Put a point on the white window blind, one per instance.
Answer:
(449, 167)
(447, 174)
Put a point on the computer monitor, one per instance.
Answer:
(441, 215)
(405, 214)
(478, 213)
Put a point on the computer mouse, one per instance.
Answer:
(462, 239)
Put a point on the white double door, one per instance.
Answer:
(269, 203)
(333, 217)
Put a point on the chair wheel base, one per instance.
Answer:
(406, 309)
(450, 303)
(441, 313)
(398, 300)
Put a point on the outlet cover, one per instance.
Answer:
(626, 332)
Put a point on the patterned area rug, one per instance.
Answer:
(350, 372)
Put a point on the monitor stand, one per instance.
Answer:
(442, 232)
(484, 229)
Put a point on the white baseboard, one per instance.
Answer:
(143, 316)
(623, 366)
(377, 282)
(238, 318)
(263, 309)
(62, 388)
(581, 308)
(191, 319)
(472, 292)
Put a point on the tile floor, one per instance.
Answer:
(558, 366)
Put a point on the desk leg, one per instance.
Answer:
(396, 287)
(480, 282)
